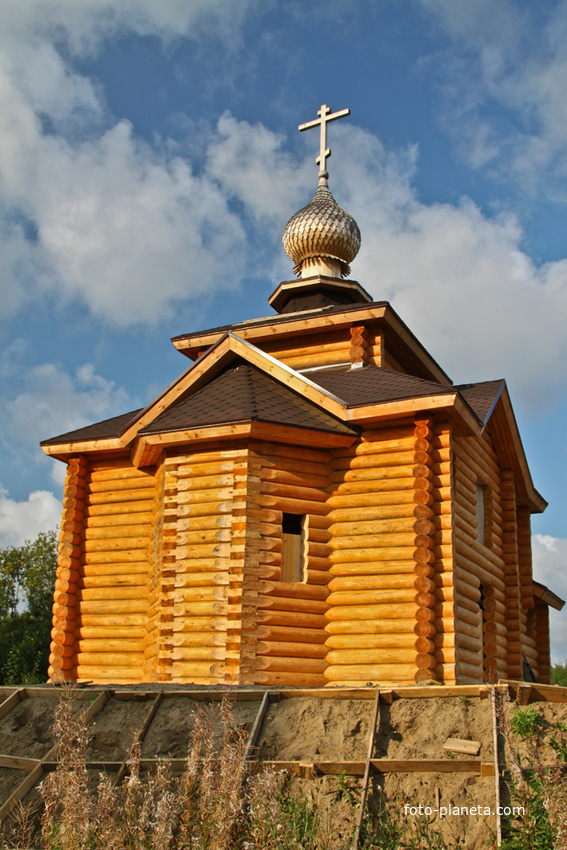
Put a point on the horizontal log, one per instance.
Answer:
(118, 485)
(201, 579)
(385, 553)
(292, 590)
(371, 656)
(128, 568)
(109, 607)
(382, 458)
(396, 626)
(289, 619)
(133, 660)
(204, 483)
(397, 608)
(276, 663)
(292, 505)
(117, 544)
(371, 641)
(370, 487)
(372, 568)
(280, 603)
(104, 633)
(108, 619)
(290, 634)
(113, 581)
(106, 644)
(194, 497)
(124, 497)
(395, 591)
(187, 625)
(402, 578)
(197, 653)
(291, 649)
(371, 672)
(357, 527)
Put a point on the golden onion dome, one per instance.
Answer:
(321, 236)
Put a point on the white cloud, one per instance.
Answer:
(52, 401)
(503, 54)
(90, 210)
(550, 560)
(21, 521)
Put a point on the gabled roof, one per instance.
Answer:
(243, 393)
(236, 390)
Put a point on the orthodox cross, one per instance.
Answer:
(325, 116)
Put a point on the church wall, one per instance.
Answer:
(372, 609)
(111, 554)
(316, 349)
(290, 615)
(482, 598)
(205, 493)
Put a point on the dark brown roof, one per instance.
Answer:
(104, 430)
(244, 393)
(373, 385)
(482, 397)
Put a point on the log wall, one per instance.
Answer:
(62, 657)
(208, 503)
(372, 607)
(112, 595)
(355, 344)
(289, 619)
(481, 594)
(433, 555)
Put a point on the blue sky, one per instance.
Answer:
(149, 160)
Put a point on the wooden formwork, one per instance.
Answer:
(96, 698)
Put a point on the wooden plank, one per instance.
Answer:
(96, 706)
(31, 779)
(497, 706)
(352, 768)
(9, 703)
(257, 726)
(461, 745)
(367, 768)
(150, 714)
(18, 763)
(427, 765)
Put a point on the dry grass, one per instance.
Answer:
(217, 804)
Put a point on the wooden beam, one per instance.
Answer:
(14, 698)
(367, 768)
(257, 726)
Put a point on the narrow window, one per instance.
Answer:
(294, 532)
(480, 511)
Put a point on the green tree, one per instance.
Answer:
(559, 674)
(27, 576)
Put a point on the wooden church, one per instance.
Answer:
(312, 502)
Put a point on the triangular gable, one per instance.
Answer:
(214, 361)
(244, 393)
(510, 450)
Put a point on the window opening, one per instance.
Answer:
(294, 535)
(480, 509)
